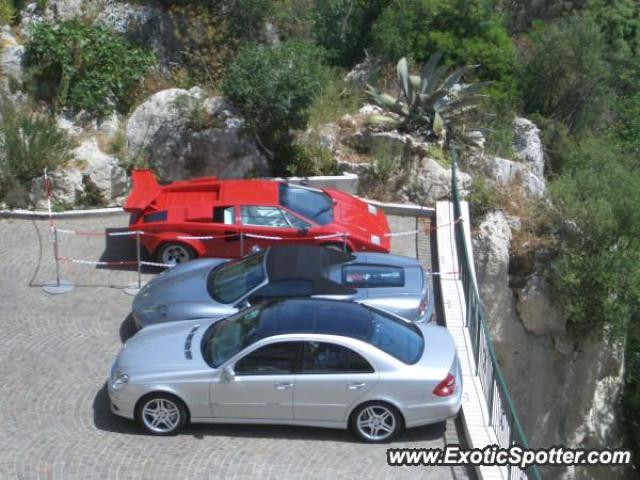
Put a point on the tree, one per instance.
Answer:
(597, 274)
(564, 73)
(467, 31)
(343, 28)
(274, 87)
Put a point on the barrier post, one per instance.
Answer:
(241, 244)
(57, 286)
(344, 241)
(138, 259)
(133, 288)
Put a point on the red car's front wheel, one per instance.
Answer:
(175, 253)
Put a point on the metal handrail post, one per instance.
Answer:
(138, 259)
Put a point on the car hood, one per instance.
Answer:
(164, 347)
(180, 294)
(357, 217)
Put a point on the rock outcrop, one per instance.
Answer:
(159, 110)
(527, 169)
(571, 399)
(11, 55)
(186, 135)
(91, 172)
(528, 145)
(429, 181)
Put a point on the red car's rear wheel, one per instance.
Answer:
(175, 253)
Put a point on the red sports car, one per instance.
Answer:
(208, 217)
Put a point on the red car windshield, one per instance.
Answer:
(312, 204)
(236, 278)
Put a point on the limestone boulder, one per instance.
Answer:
(90, 165)
(528, 145)
(538, 314)
(11, 56)
(429, 181)
(503, 171)
(161, 110)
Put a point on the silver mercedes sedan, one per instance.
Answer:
(312, 362)
(217, 288)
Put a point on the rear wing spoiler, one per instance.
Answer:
(144, 190)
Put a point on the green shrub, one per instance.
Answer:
(596, 276)
(336, 99)
(387, 162)
(7, 12)
(293, 18)
(84, 67)
(564, 74)
(467, 31)
(483, 198)
(307, 158)
(29, 142)
(343, 28)
(274, 87)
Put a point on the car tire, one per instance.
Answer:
(376, 422)
(337, 246)
(161, 414)
(175, 253)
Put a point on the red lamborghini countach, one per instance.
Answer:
(209, 217)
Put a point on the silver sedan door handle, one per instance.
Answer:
(355, 385)
(283, 386)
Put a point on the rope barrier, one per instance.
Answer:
(63, 286)
(98, 263)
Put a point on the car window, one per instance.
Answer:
(296, 222)
(273, 359)
(263, 217)
(224, 215)
(312, 204)
(372, 276)
(236, 278)
(323, 357)
(398, 338)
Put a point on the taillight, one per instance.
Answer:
(446, 387)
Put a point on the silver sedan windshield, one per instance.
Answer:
(230, 336)
(235, 279)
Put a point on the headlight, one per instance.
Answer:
(372, 210)
(375, 239)
(160, 310)
(120, 380)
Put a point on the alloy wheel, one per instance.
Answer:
(161, 415)
(376, 423)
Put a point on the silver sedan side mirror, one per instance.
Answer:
(228, 373)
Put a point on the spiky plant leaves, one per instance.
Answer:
(433, 104)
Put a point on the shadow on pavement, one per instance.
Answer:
(201, 431)
(122, 248)
(127, 328)
(104, 420)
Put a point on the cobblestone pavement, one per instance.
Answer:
(55, 353)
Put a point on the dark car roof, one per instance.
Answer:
(307, 315)
(307, 262)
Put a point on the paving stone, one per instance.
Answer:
(55, 355)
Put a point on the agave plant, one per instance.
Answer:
(431, 104)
